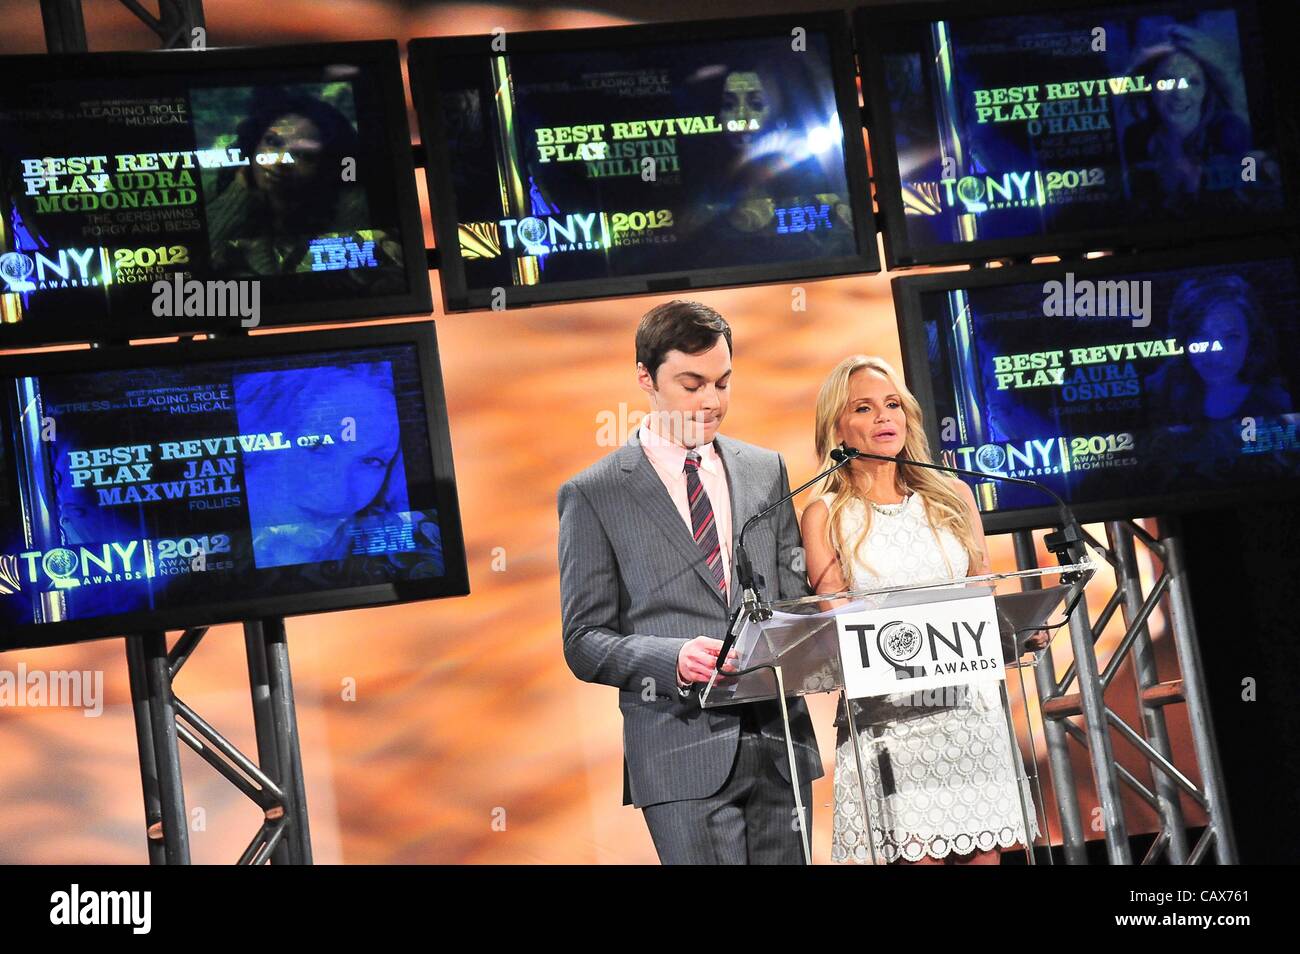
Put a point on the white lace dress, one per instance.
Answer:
(939, 776)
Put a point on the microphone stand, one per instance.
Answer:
(1066, 544)
(749, 581)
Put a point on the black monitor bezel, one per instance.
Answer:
(383, 57)
(901, 253)
(908, 289)
(424, 54)
(421, 334)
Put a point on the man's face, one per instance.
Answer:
(689, 393)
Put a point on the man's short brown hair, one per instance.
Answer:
(687, 326)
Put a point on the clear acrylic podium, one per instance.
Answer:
(794, 648)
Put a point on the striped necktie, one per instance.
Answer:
(703, 525)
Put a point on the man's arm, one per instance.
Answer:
(791, 561)
(589, 588)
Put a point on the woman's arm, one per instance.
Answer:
(823, 567)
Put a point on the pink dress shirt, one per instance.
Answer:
(669, 461)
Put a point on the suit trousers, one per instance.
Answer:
(750, 820)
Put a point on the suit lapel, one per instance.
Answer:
(650, 494)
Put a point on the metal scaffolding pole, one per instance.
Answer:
(1073, 841)
(1183, 625)
(1146, 675)
(1093, 704)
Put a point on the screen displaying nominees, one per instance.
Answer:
(178, 485)
(587, 163)
(1128, 389)
(150, 194)
(1069, 126)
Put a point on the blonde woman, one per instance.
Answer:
(939, 778)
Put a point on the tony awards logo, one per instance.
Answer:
(898, 642)
(59, 565)
(73, 268)
(15, 268)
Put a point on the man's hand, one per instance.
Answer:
(698, 657)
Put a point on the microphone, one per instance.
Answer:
(1067, 543)
(751, 583)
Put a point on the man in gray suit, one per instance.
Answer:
(647, 587)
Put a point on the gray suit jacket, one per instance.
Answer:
(634, 588)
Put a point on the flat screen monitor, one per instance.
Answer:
(155, 194)
(174, 485)
(576, 164)
(1027, 128)
(1160, 383)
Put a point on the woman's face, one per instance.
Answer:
(746, 106)
(873, 420)
(301, 139)
(1224, 325)
(347, 476)
(1180, 107)
(334, 480)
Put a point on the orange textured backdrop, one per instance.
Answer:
(465, 713)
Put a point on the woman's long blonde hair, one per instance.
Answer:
(945, 508)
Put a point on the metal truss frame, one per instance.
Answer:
(65, 23)
(1077, 706)
(162, 720)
